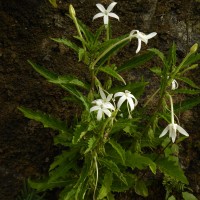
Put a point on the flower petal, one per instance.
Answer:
(133, 32)
(113, 15)
(102, 94)
(164, 131)
(94, 108)
(121, 101)
(130, 101)
(101, 7)
(151, 35)
(173, 135)
(111, 6)
(182, 131)
(174, 84)
(143, 37)
(105, 19)
(139, 45)
(132, 96)
(98, 15)
(109, 97)
(107, 112)
(119, 94)
(99, 115)
(108, 105)
(98, 102)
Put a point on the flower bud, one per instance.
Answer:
(194, 48)
(72, 11)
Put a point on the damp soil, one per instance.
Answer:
(26, 29)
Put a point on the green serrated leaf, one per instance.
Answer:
(156, 70)
(43, 71)
(85, 172)
(188, 196)
(112, 73)
(141, 189)
(171, 198)
(59, 159)
(67, 43)
(118, 148)
(159, 54)
(110, 165)
(46, 120)
(70, 81)
(81, 54)
(43, 185)
(193, 58)
(119, 186)
(171, 169)
(53, 3)
(86, 31)
(122, 124)
(61, 171)
(187, 104)
(172, 55)
(136, 62)
(187, 91)
(106, 184)
(98, 33)
(91, 144)
(188, 81)
(77, 94)
(134, 160)
(70, 195)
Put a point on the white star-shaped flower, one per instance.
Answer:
(172, 128)
(103, 106)
(141, 37)
(131, 100)
(106, 13)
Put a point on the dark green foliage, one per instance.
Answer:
(27, 193)
(119, 150)
(46, 120)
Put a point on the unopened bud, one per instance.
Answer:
(194, 48)
(72, 11)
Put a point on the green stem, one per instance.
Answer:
(79, 31)
(97, 176)
(152, 96)
(107, 122)
(108, 31)
(108, 49)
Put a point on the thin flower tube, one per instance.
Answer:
(172, 128)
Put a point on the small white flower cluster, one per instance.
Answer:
(106, 13)
(104, 106)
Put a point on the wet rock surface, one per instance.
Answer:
(26, 26)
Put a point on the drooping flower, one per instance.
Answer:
(106, 13)
(141, 37)
(103, 105)
(174, 84)
(172, 128)
(126, 96)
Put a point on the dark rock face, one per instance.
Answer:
(26, 26)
